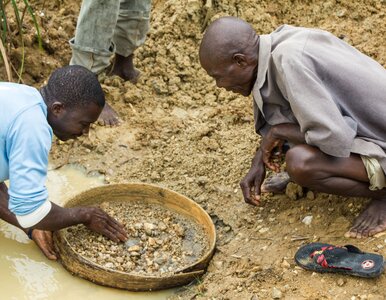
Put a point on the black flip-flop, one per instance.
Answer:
(319, 257)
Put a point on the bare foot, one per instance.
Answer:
(276, 183)
(124, 68)
(108, 116)
(370, 222)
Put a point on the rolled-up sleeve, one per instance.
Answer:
(319, 117)
(28, 144)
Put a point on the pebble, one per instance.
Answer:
(227, 228)
(179, 229)
(310, 195)
(162, 226)
(109, 265)
(276, 293)
(134, 248)
(151, 242)
(218, 264)
(149, 227)
(307, 220)
(263, 230)
(341, 282)
(285, 264)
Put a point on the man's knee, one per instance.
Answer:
(299, 164)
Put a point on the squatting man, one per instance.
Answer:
(66, 106)
(315, 92)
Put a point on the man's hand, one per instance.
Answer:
(43, 240)
(270, 143)
(251, 184)
(101, 222)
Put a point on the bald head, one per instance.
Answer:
(226, 36)
(229, 54)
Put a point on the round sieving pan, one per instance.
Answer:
(83, 267)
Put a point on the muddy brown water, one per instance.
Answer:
(27, 274)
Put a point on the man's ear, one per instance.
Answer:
(240, 59)
(57, 108)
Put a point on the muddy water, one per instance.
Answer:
(27, 274)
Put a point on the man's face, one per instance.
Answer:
(233, 76)
(72, 122)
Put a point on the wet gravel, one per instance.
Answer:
(161, 242)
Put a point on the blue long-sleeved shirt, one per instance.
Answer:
(25, 141)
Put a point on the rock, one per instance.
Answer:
(276, 293)
(263, 230)
(227, 228)
(307, 220)
(134, 248)
(179, 229)
(109, 265)
(310, 195)
(341, 282)
(218, 264)
(138, 226)
(162, 226)
(202, 180)
(149, 227)
(294, 191)
(131, 242)
(151, 242)
(285, 264)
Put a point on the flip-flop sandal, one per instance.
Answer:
(348, 260)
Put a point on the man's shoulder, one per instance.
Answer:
(17, 88)
(15, 100)
(16, 97)
(289, 43)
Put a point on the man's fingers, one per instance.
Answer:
(108, 231)
(121, 232)
(255, 200)
(49, 239)
(112, 229)
(49, 254)
(246, 190)
(43, 240)
(117, 227)
(118, 232)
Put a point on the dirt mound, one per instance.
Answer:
(179, 131)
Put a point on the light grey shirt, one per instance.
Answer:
(334, 92)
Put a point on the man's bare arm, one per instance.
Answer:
(288, 132)
(59, 217)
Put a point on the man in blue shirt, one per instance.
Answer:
(66, 106)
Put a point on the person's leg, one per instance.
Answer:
(309, 167)
(130, 33)
(92, 45)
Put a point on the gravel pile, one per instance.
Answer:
(161, 242)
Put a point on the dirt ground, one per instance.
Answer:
(179, 131)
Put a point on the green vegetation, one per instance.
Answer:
(18, 9)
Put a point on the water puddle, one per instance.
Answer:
(27, 274)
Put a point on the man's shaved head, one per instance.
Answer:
(226, 36)
(229, 53)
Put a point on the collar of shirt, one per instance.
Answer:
(264, 55)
